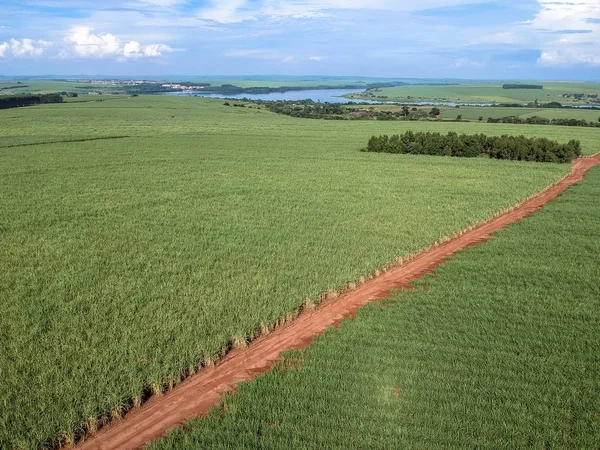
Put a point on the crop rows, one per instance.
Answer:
(496, 349)
(127, 262)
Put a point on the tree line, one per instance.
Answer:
(581, 96)
(15, 101)
(310, 109)
(522, 86)
(537, 120)
(307, 109)
(231, 89)
(518, 148)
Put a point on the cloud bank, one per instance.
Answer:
(448, 38)
(24, 48)
(87, 44)
(83, 42)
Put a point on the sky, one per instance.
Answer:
(470, 39)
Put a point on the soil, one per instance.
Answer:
(201, 392)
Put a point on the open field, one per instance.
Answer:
(202, 392)
(50, 86)
(142, 235)
(489, 93)
(166, 116)
(473, 113)
(45, 87)
(498, 350)
(36, 85)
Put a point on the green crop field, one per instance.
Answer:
(488, 93)
(26, 87)
(49, 86)
(140, 235)
(499, 352)
(474, 112)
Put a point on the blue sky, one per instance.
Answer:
(510, 39)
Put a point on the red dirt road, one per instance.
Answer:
(199, 393)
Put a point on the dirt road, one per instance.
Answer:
(196, 395)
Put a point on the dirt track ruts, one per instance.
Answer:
(196, 395)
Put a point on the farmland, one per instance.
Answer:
(474, 112)
(142, 235)
(119, 86)
(496, 349)
(487, 93)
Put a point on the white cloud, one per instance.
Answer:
(163, 3)
(233, 11)
(288, 59)
(243, 53)
(561, 30)
(134, 49)
(315, 58)
(571, 38)
(87, 44)
(569, 57)
(24, 47)
(466, 62)
(226, 11)
(154, 50)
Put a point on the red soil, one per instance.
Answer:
(195, 396)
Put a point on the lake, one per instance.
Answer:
(316, 95)
(329, 96)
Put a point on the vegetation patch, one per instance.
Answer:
(499, 147)
(15, 101)
(500, 352)
(522, 86)
(539, 120)
(127, 263)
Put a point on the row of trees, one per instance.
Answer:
(333, 111)
(308, 109)
(231, 89)
(15, 101)
(537, 120)
(581, 96)
(499, 147)
(522, 86)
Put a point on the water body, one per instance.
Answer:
(331, 96)
(316, 95)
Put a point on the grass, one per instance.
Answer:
(500, 351)
(244, 82)
(166, 116)
(473, 113)
(12, 87)
(491, 92)
(125, 260)
(25, 87)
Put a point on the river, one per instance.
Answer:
(317, 95)
(331, 96)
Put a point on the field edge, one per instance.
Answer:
(92, 430)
